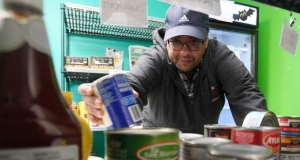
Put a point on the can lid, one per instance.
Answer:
(143, 131)
(187, 136)
(256, 128)
(204, 142)
(243, 151)
(289, 117)
(218, 126)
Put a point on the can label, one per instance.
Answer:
(119, 101)
(290, 143)
(142, 145)
(289, 126)
(268, 138)
(219, 131)
(256, 118)
(290, 156)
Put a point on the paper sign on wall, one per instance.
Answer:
(289, 39)
(124, 12)
(205, 6)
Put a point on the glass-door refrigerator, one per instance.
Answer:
(237, 28)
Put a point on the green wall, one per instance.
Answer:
(278, 70)
(278, 75)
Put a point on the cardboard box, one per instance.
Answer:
(76, 62)
(102, 63)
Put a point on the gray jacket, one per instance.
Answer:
(165, 100)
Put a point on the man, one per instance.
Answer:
(181, 80)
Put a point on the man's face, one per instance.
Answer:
(190, 56)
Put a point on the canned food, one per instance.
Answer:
(120, 106)
(289, 125)
(195, 149)
(291, 143)
(187, 136)
(264, 136)
(142, 143)
(257, 118)
(239, 152)
(290, 155)
(184, 137)
(216, 130)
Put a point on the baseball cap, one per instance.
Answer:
(33, 5)
(182, 21)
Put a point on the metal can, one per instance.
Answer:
(291, 143)
(216, 130)
(142, 143)
(239, 152)
(185, 137)
(264, 136)
(195, 149)
(289, 125)
(290, 155)
(119, 102)
(260, 118)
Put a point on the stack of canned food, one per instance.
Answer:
(290, 137)
(260, 133)
(258, 138)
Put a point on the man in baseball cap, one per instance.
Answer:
(181, 80)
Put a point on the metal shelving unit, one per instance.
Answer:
(80, 19)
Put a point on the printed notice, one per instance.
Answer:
(124, 12)
(289, 39)
(211, 7)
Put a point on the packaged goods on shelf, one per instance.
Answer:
(118, 57)
(76, 62)
(135, 52)
(102, 63)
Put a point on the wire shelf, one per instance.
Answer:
(81, 19)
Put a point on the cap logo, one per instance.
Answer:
(183, 19)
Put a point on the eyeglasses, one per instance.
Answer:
(192, 46)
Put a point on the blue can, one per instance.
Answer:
(119, 102)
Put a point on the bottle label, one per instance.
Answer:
(69, 152)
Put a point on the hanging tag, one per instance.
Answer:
(211, 7)
(289, 39)
(125, 12)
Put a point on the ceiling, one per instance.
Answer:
(290, 5)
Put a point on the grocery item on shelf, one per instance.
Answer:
(290, 136)
(197, 148)
(102, 62)
(217, 130)
(35, 120)
(135, 52)
(118, 57)
(261, 118)
(76, 62)
(239, 152)
(142, 143)
(289, 125)
(261, 135)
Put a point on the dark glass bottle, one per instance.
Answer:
(35, 120)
